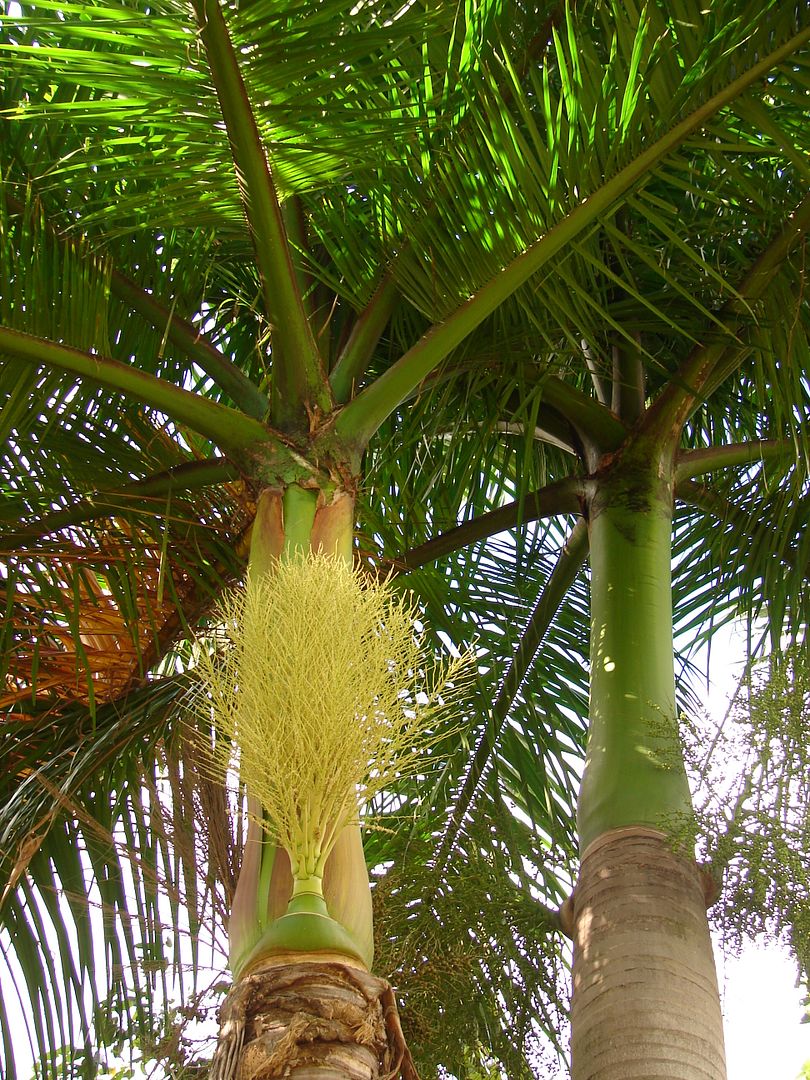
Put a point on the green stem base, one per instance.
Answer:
(306, 927)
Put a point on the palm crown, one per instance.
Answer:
(487, 253)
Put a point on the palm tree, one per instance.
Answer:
(387, 283)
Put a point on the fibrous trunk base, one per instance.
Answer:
(645, 1002)
(311, 1021)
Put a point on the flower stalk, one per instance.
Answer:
(323, 697)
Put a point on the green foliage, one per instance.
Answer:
(166, 1048)
(487, 938)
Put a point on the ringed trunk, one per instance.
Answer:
(645, 1003)
(645, 1000)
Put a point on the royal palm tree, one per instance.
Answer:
(386, 284)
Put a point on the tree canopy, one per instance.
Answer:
(489, 246)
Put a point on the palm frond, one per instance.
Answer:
(102, 855)
(419, 149)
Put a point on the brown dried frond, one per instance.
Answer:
(72, 636)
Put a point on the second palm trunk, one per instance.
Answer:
(645, 998)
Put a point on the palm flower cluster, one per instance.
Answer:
(322, 696)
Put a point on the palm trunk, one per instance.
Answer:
(645, 999)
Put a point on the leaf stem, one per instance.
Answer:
(366, 332)
(184, 334)
(691, 463)
(298, 378)
(189, 476)
(563, 575)
(229, 429)
(559, 498)
(708, 364)
(194, 344)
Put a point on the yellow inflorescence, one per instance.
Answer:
(325, 692)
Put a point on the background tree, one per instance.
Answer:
(393, 282)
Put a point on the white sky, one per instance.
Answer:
(762, 1007)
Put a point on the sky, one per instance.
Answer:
(763, 1009)
(762, 1006)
